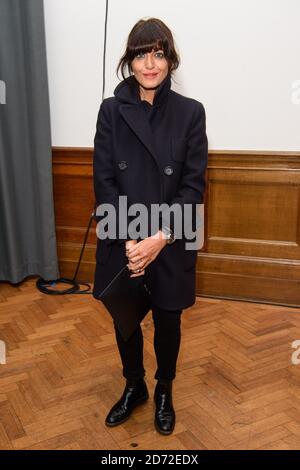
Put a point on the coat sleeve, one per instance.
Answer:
(105, 184)
(193, 181)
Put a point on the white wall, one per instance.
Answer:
(241, 59)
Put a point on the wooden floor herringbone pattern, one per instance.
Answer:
(236, 387)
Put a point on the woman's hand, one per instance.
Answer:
(129, 244)
(141, 254)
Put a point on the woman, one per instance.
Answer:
(150, 146)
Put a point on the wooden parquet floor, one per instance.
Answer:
(236, 387)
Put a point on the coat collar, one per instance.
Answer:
(133, 112)
(128, 91)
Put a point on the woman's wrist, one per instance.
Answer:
(163, 237)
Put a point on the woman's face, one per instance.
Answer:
(150, 68)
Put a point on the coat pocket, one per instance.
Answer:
(179, 149)
(190, 259)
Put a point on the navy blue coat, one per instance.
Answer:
(156, 158)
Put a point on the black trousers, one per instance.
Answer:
(167, 336)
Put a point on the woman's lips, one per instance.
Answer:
(150, 75)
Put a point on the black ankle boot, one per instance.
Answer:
(135, 393)
(164, 413)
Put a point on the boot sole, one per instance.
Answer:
(138, 402)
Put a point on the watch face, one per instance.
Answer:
(169, 235)
(171, 238)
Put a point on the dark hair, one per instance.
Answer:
(145, 36)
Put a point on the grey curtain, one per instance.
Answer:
(27, 225)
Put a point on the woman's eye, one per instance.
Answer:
(140, 55)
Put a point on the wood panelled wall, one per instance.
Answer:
(252, 223)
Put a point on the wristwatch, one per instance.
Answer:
(169, 234)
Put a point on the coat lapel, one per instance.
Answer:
(133, 113)
(135, 117)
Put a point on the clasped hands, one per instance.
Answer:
(141, 254)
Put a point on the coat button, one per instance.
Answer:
(168, 170)
(122, 165)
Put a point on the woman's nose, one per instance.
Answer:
(149, 61)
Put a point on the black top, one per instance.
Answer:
(148, 109)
